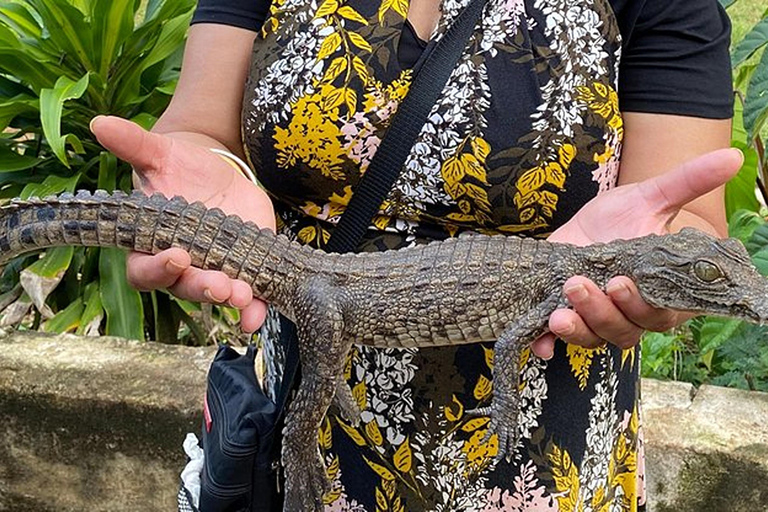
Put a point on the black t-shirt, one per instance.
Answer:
(675, 52)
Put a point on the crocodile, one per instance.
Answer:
(467, 289)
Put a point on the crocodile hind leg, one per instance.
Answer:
(323, 348)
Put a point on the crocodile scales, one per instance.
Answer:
(462, 290)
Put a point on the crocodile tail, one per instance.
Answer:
(142, 223)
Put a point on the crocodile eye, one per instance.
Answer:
(707, 271)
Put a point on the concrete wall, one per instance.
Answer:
(97, 423)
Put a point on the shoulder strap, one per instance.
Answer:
(375, 184)
(390, 157)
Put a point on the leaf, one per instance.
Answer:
(480, 148)
(567, 153)
(379, 469)
(449, 414)
(65, 320)
(50, 186)
(329, 45)
(93, 313)
(51, 106)
(112, 24)
(43, 276)
(67, 28)
(531, 180)
(336, 68)
(740, 190)
(18, 17)
(324, 435)
(743, 223)
(353, 433)
(327, 8)
(359, 41)
(482, 388)
(488, 354)
(403, 457)
(351, 14)
(475, 423)
(452, 172)
(756, 104)
(125, 313)
(474, 168)
(350, 99)
(751, 43)
(12, 161)
(360, 396)
(381, 500)
(373, 433)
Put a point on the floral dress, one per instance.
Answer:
(526, 131)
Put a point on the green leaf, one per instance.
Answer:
(34, 73)
(65, 320)
(760, 260)
(112, 22)
(756, 104)
(20, 104)
(68, 30)
(726, 3)
(51, 107)
(93, 311)
(125, 313)
(50, 186)
(752, 42)
(740, 190)
(43, 276)
(716, 331)
(54, 263)
(17, 17)
(12, 161)
(743, 223)
(107, 171)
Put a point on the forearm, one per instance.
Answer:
(206, 110)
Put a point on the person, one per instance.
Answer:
(581, 121)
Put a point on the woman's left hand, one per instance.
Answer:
(619, 314)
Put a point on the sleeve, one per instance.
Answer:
(676, 60)
(247, 14)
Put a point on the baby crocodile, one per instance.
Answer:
(462, 290)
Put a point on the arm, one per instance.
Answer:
(175, 159)
(654, 145)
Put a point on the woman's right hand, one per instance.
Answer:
(177, 167)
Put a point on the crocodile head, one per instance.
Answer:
(696, 272)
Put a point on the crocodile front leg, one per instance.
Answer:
(505, 405)
(323, 349)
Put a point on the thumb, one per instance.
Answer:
(669, 192)
(130, 142)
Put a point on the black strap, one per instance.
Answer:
(390, 157)
(375, 184)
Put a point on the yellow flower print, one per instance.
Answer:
(580, 359)
(313, 137)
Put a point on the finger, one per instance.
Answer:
(203, 286)
(624, 294)
(253, 315)
(130, 142)
(567, 325)
(670, 191)
(241, 295)
(149, 272)
(543, 347)
(599, 313)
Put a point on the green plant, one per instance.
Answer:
(62, 62)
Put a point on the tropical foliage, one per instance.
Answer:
(62, 62)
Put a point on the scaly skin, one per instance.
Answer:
(465, 290)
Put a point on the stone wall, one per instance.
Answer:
(97, 423)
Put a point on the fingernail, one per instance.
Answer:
(576, 292)
(741, 154)
(90, 125)
(618, 290)
(173, 267)
(209, 296)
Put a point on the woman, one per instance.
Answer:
(530, 128)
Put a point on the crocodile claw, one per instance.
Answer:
(306, 485)
(504, 422)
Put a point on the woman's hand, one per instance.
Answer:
(620, 315)
(174, 166)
